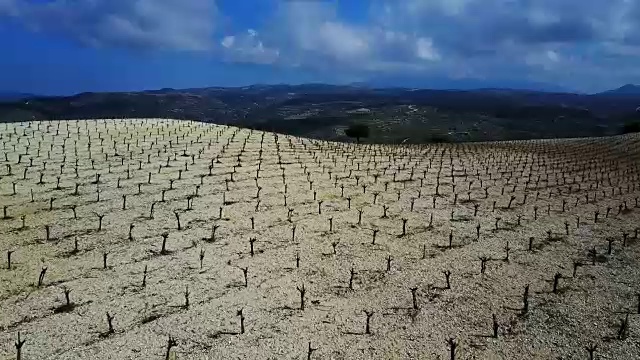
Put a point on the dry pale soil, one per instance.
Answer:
(539, 236)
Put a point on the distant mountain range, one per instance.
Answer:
(629, 89)
(446, 83)
(14, 96)
(323, 111)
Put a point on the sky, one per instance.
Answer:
(58, 47)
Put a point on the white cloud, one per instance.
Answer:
(569, 42)
(248, 47)
(311, 31)
(449, 7)
(425, 50)
(341, 41)
(393, 36)
(314, 35)
(141, 24)
(228, 41)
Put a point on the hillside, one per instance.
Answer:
(14, 96)
(158, 239)
(324, 111)
(625, 90)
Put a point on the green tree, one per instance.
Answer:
(357, 131)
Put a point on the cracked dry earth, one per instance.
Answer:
(361, 228)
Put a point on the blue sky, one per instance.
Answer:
(70, 46)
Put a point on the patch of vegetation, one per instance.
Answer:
(357, 131)
(631, 127)
(438, 138)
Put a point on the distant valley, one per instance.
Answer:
(322, 111)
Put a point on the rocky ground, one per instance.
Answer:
(154, 239)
